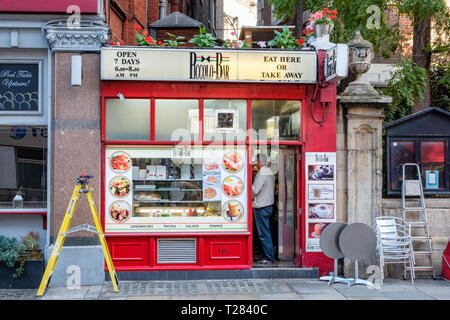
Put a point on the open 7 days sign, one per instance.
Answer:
(134, 63)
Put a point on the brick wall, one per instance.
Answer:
(187, 33)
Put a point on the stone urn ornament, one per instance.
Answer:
(360, 59)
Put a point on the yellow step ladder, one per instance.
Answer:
(82, 186)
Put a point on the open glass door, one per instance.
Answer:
(287, 203)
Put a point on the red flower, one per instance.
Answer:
(333, 11)
(300, 41)
(304, 32)
(120, 43)
(311, 30)
(146, 32)
(325, 10)
(332, 17)
(150, 40)
(138, 27)
(160, 43)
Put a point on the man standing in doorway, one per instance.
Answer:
(263, 192)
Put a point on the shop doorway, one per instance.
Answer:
(284, 161)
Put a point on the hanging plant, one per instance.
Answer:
(325, 16)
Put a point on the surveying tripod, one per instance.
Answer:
(82, 186)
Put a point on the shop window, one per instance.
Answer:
(225, 120)
(400, 152)
(23, 167)
(176, 120)
(276, 119)
(128, 119)
(430, 155)
(176, 189)
(432, 163)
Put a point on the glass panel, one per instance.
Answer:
(177, 120)
(23, 167)
(276, 119)
(432, 164)
(225, 120)
(401, 152)
(128, 119)
(176, 189)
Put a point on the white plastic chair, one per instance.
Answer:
(394, 245)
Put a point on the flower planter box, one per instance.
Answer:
(30, 279)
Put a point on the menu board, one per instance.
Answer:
(201, 190)
(320, 195)
(19, 87)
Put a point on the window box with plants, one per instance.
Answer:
(22, 263)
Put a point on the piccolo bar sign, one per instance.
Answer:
(208, 65)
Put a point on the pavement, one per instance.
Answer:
(242, 289)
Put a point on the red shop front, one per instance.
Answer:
(181, 129)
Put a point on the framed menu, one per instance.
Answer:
(20, 88)
(320, 195)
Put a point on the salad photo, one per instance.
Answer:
(120, 187)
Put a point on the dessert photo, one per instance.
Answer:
(120, 211)
(232, 210)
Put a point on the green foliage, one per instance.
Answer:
(12, 254)
(421, 9)
(440, 85)
(145, 40)
(283, 9)
(407, 84)
(173, 41)
(284, 40)
(203, 39)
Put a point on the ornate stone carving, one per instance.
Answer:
(85, 36)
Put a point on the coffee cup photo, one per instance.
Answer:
(321, 210)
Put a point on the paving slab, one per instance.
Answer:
(323, 296)
(407, 295)
(359, 291)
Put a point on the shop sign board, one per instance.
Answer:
(320, 195)
(336, 63)
(135, 63)
(19, 88)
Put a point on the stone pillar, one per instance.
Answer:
(362, 109)
(76, 146)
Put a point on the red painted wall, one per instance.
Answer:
(319, 137)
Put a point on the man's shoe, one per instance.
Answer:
(264, 261)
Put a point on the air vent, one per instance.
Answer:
(177, 251)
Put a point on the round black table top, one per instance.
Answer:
(329, 240)
(358, 242)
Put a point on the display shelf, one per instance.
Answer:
(165, 189)
(169, 180)
(171, 201)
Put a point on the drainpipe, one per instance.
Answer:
(162, 8)
(146, 14)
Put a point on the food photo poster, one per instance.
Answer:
(320, 195)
